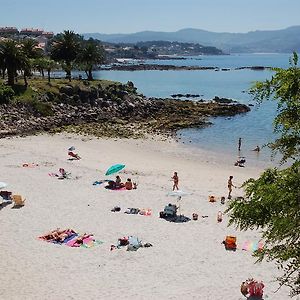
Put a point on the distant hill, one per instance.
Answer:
(277, 41)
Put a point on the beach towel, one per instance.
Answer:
(65, 241)
(252, 246)
(29, 165)
(90, 242)
(71, 241)
(145, 212)
(53, 175)
(120, 189)
(100, 182)
(97, 182)
(133, 211)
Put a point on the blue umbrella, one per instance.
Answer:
(114, 169)
(3, 185)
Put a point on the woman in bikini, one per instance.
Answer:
(230, 185)
(175, 181)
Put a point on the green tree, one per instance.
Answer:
(284, 87)
(45, 63)
(91, 54)
(273, 200)
(30, 51)
(12, 59)
(65, 48)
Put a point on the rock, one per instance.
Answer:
(67, 89)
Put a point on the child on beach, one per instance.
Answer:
(175, 181)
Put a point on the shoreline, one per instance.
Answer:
(195, 246)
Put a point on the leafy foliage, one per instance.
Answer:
(284, 87)
(12, 59)
(274, 206)
(273, 200)
(65, 48)
(6, 94)
(91, 54)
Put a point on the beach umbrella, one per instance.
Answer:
(114, 169)
(3, 185)
(178, 194)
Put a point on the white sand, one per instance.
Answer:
(186, 261)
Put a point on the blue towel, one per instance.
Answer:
(71, 237)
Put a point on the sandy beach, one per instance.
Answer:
(187, 260)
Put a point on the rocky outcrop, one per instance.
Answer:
(109, 110)
(146, 67)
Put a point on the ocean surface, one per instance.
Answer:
(255, 128)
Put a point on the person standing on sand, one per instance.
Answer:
(175, 180)
(230, 185)
(240, 144)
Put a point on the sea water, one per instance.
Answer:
(255, 128)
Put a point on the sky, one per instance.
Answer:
(129, 16)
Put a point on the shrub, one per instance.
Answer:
(6, 94)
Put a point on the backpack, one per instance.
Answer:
(230, 242)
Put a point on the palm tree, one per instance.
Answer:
(91, 54)
(50, 64)
(30, 48)
(30, 51)
(12, 59)
(45, 63)
(65, 48)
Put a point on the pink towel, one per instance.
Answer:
(72, 243)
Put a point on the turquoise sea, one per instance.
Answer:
(255, 127)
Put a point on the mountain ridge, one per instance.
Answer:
(276, 41)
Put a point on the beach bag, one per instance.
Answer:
(230, 242)
(133, 243)
(255, 288)
(195, 216)
(161, 214)
(5, 195)
(123, 241)
(212, 199)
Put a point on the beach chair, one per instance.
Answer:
(6, 195)
(170, 210)
(18, 200)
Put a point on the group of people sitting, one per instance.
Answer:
(118, 184)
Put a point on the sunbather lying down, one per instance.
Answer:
(58, 235)
(79, 240)
(74, 155)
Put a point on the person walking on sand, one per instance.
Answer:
(175, 180)
(230, 185)
(240, 144)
